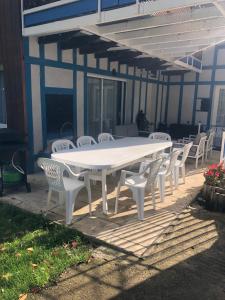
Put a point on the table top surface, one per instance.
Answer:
(110, 155)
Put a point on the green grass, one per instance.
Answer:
(33, 252)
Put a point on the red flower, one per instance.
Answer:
(213, 166)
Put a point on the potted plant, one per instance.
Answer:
(214, 188)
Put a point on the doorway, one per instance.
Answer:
(106, 100)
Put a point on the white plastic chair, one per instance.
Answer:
(68, 185)
(197, 150)
(138, 183)
(105, 137)
(85, 141)
(209, 144)
(62, 145)
(160, 136)
(167, 171)
(180, 164)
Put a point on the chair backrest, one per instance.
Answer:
(160, 136)
(153, 171)
(85, 141)
(198, 138)
(186, 150)
(105, 137)
(54, 171)
(62, 145)
(201, 146)
(173, 158)
(209, 144)
(150, 169)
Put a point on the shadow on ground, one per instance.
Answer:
(187, 262)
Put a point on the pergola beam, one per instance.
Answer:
(79, 42)
(182, 37)
(177, 44)
(48, 39)
(97, 47)
(213, 23)
(161, 20)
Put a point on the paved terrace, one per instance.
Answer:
(123, 231)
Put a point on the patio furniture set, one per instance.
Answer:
(71, 168)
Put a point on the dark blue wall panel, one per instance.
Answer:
(66, 11)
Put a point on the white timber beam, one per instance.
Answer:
(219, 6)
(216, 23)
(180, 44)
(193, 14)
(187, 36)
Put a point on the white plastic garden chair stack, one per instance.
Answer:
(138, 183)
(105, 137)
(68, 186)
(85, 141)
(62, 145)
(180, 164)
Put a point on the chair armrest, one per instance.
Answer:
(77, 175)
(192, 136)
(124, 173)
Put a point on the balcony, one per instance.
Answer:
(40, 12)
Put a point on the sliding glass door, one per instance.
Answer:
(105, 105)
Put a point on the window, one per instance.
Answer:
(3, 116)
(106, 101)
(59, 115)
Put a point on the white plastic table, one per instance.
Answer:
(110, 156)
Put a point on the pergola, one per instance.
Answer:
(150, 34)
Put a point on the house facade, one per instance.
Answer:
(92, 65)
(12, 85)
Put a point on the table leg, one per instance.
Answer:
(104, 192)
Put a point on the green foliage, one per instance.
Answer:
(34, 252)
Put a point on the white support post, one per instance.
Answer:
(138, 6)
(219, 6)
(99, 11)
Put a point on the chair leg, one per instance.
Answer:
(183, 173)
(88, 186)
(176, 176)
(48, 201)
(70, 203)
(162, 187)
(171, 183)
(153, 196)
(196, 163)
(139, 197)
(61, 198)
(202, 160)
(117, 197)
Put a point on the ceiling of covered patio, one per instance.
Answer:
(155, 35)
(168, 30)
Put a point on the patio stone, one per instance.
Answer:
(123, 230)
